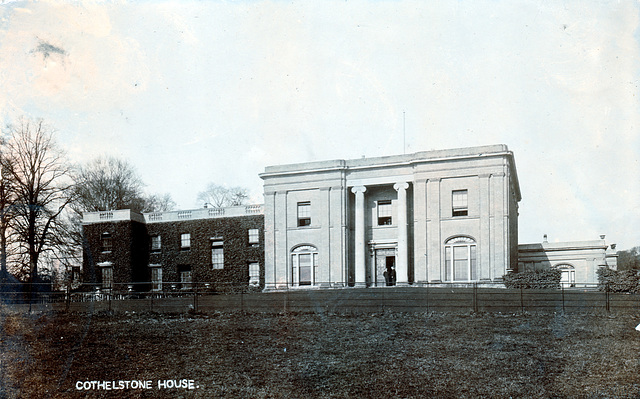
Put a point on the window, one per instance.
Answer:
(254, 274)
(107, 278)
(156, 278)
(568, 276)
(254, 237)
(106, 242)
(156, 244)
(384, 213)
(304, 265)
(460, 259)
(459, 203)
(185, 241)
(304, 213)
(185, 277)
(217, 254)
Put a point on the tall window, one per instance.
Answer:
(156, 278)
(384, 213)
(304, 265)
(304, 213)
(460, 259)
(156, 244)
(254, 237)
(185, 277)
(217, 254)
(459, 203)
(185, 241)
(107, 278)
(254, 274)
(106, 242)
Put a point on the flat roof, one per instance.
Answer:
(422, 156)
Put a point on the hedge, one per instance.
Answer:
(619, 280)
(539, 279)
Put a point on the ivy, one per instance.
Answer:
(539, 279)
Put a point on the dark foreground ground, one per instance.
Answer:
(310, 355)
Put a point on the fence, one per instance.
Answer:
(212, 297)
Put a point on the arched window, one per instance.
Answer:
(568, 278)
(460, 259)
(304, 265)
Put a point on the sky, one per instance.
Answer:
(194, 92)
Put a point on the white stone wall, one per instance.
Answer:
(345, 230)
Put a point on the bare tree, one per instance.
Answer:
(108, 183)
(39, 174)
(7, 201)
(158, 203)
(220, 196)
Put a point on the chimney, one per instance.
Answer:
(544, 238)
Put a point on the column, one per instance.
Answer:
(359, 237)
(402, 268)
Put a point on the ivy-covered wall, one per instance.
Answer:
(131, 252)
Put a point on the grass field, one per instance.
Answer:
(310, 355)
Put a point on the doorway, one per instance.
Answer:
(390, 273)
(385, 269)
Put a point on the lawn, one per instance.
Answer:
(379, 355)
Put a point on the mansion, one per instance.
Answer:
(448, 216)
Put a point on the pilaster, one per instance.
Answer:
(360, 260)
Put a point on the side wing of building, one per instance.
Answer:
(216, 248)
(438, 216)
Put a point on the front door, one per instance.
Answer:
(390, 276)
(385, 267)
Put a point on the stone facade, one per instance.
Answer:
(221, 247)
(437, 216)
(579, 261)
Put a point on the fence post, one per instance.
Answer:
(242, 300)
(475, 297)
(521, 300)
(195, 298)
(427, 297)
(562, 288)
(607, 297)
(68, 301)
(286, 299)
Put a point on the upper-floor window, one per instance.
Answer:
(217, 254)
(185, 241)
(384, 213)
(459, 203)
(106, 242)
(304, 213)
(156, 244)
(254, 237)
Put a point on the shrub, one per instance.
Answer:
(539, 279)
(619, 280)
